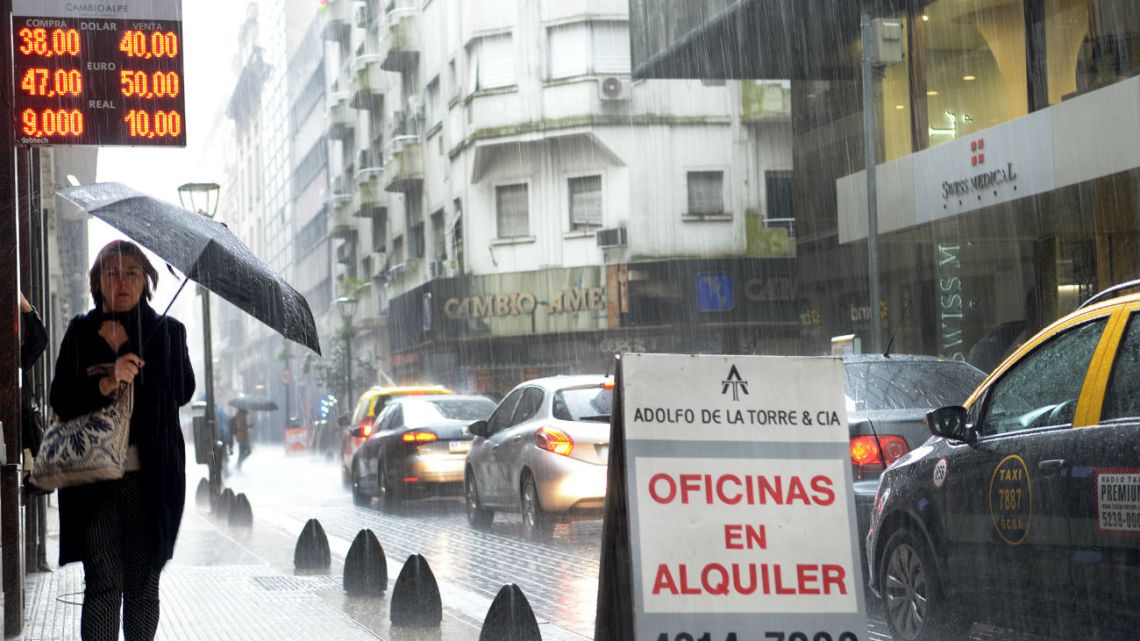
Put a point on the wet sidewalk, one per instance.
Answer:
(239, 584)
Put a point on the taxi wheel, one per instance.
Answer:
(390, 500)
(478, 516)
(358, 495)
(537, 524)
(912, 595)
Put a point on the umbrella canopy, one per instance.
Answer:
(253, 403)
(206, 251)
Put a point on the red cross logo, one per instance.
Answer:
(977, 153)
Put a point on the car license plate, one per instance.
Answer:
(458, 447)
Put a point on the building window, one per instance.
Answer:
(512, 211)
(781, 202)
(438, 236)
(452, 79)
(706, 192)
(416, 241)
(434, 111)
(398, 250)
(585, 202)
(491, 63)
(588, 48)
(379, 229)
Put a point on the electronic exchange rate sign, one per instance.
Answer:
(99, 73)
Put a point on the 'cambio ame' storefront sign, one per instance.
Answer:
(741, 516)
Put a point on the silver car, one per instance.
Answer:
(543, 452)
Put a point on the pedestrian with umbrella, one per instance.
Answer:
(124, 530)
(240, 425)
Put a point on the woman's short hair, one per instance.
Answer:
(114, 249)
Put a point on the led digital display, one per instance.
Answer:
(99, 74)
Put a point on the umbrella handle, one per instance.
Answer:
(164, 312)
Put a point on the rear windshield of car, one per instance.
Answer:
(897, 385)
(428, 412)
(583, 404)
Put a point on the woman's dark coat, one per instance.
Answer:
(165, 383)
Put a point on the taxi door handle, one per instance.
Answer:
(1051, 466)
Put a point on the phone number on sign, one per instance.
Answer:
(767, 636)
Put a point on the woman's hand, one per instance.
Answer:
(113, 332)
(127, 367)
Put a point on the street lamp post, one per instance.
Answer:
(347, 307)
(203, 199)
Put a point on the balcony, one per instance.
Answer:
(366, 89)
(338, 200)
(400, 42)
(369, 196)
(338, 16)
(341, 116)
(403, 155)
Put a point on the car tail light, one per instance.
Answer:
(608, 385)
(366, 429)
(877, 452)
(419, 437)
(554, 440)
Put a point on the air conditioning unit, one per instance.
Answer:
(415, 106)
(377, 264)
(344, 253)
(613, 88)
(438, 269)
(610, 238)
(361, 16)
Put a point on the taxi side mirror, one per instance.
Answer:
(949, 422)
(357, 432)
(478, 428)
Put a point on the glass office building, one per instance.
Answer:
(1008, 146)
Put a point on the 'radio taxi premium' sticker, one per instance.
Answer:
(1011, 499)
(940, 469)
(1118, 501)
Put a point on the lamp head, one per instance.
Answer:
(346, 305)
(200, 197)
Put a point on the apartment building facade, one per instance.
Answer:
(517, 206)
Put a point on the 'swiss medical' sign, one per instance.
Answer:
(998, 165)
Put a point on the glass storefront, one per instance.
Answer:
(969, 281)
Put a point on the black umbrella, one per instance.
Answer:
(253, 403)
(206, 251)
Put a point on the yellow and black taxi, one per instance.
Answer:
(1024, 510)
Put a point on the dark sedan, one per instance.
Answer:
(417, 449)
(887, 401)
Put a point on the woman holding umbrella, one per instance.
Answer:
(124, 531)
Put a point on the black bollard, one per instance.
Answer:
(202, 494)
(241, 512)
(224, 504)
(415, 598)
(312, 551)
(510, 618)
(365, 567)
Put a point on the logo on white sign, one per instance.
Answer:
(736, 382)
